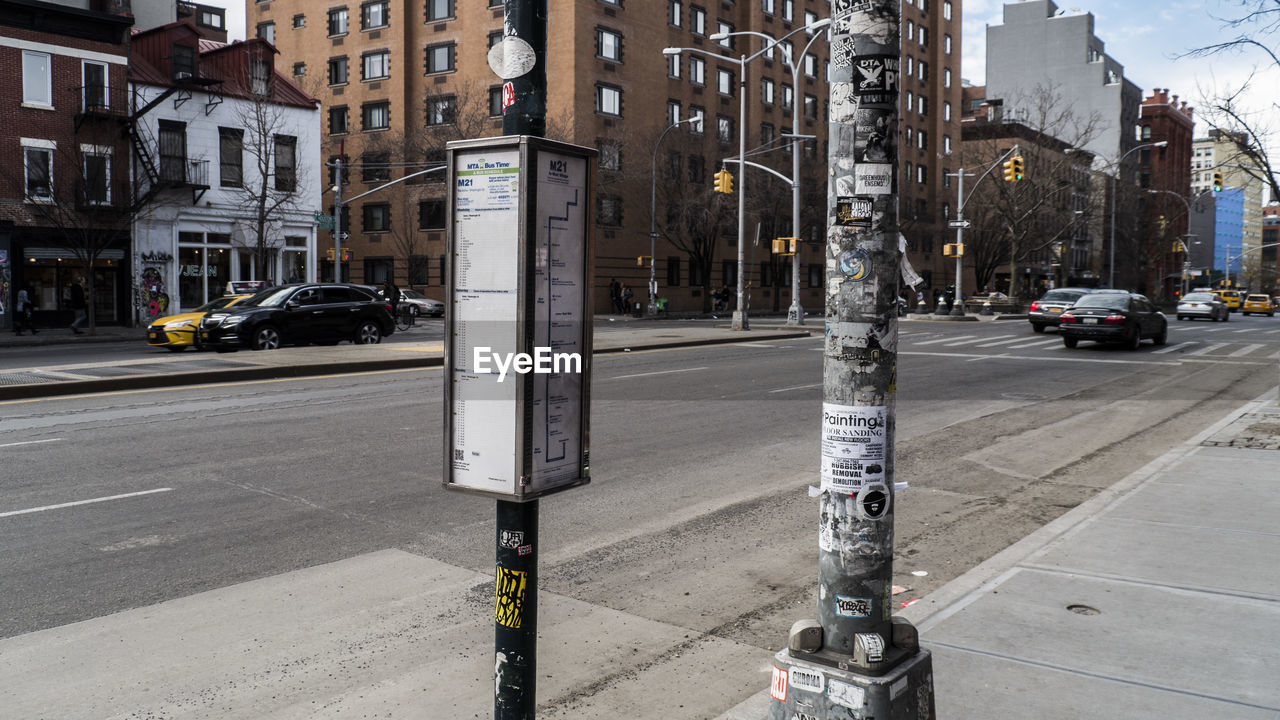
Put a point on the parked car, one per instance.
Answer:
(322, 313)
(179, 332)
(1233, 298)
(1046, 311)
(420, 304)
(1202, 305)
(1126, 318)
(1260, 304)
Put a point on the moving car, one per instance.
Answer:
(1260, 304)
(1232, 298)
(301, 313)
(420, 304)
(179, 332)
(1202, 305)
(1113, 318)
(1048, 309)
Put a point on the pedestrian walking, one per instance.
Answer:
(78, 305)
(615, 296)
(626, 298)
(23, 311)
(392, 294)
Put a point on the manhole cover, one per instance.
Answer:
(1084, 610)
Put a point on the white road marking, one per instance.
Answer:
(1037, 343)
(1003, 342)
(1245, 350)
(945, 339)
(1246, 330)
(1046, 358)
(84, 502)
(797, 387)
(62, 375)
(974, 340)
(659, 372)
(1173, 348)
(31, 442)
(759, 345)
(1208, 349)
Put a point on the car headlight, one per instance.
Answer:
(177, 325)
(232, 320)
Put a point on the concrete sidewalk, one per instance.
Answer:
(1158, 598)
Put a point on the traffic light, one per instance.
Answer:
(1008, 171)
(1018, 169)
(724, 182)
(1217, 182)
(1163, 224)
(784, 246)
(1177, 248)
(953, 249)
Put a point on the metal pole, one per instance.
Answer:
(337, 217)
(855, 659)
(957, 305)
(653, 218)
(1111, 261)
(740, 315)
(516, 537)
(795, 313)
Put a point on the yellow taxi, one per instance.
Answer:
(1233, 299)
(1260, 304)
(178, 332)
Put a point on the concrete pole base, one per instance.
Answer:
(986, 309)
(795, 315)
(957, 309)
(740, 321)
(804, 688)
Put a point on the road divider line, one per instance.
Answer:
(1172, 348)
(1003, 342)
(1246, 330)
(945, 339)
(974, 340)
(30, 442)
(1045, 358)
(1245, 350)
(76, 503)
(659, 372)
(797, 387)
(1038, 343)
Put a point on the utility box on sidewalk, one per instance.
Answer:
(517, 359)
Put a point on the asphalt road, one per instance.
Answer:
(697, 514)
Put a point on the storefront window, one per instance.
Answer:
(295, 259)
(204, 267)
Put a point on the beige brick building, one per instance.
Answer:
(399, 79)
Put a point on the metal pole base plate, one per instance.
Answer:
(805, 690)
(740, 321)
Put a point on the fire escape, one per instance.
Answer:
(162, 161)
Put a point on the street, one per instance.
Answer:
(697, 518)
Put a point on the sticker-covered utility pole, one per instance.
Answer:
(856, 660)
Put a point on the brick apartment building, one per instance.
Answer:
(1167, 172)
(63, 159)
(397, 80)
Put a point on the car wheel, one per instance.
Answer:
(367, 333)
(1038, 327)
(1163, 337)
(1134, 340)
(1070, 342)
(1182, 317)
(1226, 316)
(175, 348)
(266, 338)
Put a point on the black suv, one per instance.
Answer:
(323, 313)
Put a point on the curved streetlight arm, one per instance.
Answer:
(384, 186)
(653, 214)
(965, 200)
(772, 42)
(789, 181)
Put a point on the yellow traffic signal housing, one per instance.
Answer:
(1008, 177)
(784, 246)
(724, 182)
(346, 254)
(953, 249)
(1217, 182)
(1018, 169)
(1177, 248)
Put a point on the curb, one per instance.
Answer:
(207, 377)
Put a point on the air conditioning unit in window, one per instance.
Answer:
(182, 75)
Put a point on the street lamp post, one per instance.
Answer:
(1111, 260)
(653, 217)
(740, 321)
(795, 313)
(1186, 249)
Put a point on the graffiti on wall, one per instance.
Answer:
(152, 293)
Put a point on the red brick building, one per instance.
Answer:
(1165, 172)
(64, 158)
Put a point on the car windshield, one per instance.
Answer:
(215, 304)
(1062, 296)
(271, 297)
(1105, 301)
(1199, 297)
(414, 294)
(1257, 298)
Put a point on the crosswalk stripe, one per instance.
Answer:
(945, 339)
(979, 339)
(1173, 348)
(1001, 342)
(1050, 341)
(1246, 330)
(1208, 349)
(1245, 350)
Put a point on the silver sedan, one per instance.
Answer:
(1203, 305)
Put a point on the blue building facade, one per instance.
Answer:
(1228, 230)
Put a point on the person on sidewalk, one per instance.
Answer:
(392, 294)
(615, 295)
(22, 312)
(78, 305)
(626, 298)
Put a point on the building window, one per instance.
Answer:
(299, 69)
(431, 215)
(788, 10)
(494, 38)
(609, 155)
(608, 100)
(419, 270)
(697, 114)
(439, 10)
(946, 10)
(231, 157)
(441, 109)
(923, 36)
(172, 139)
(766, 133)
(674, 11)
(724, 129)
(946, 77)
(440, 58)
(609, 45)
(673, 112)
(922, 174)
(725, 28)
(338, 70)
(724, 81)
(946, 112)
(338, 22)
(267, 31)
(376, 217)
(675, 167)
(339, 120)
(922, 71)
(697, 20)
(697, 169)
(286, 157)
(673, 66)
(94, 77)
(374, 15)
(788, 97)
(495, 101)
(38, 167)
(810, 107)
(182, 62)
(375, 167)
(609, 210)
(766, 91)
(299, 21)
(697, 71)
(211, 18)
(673, 271)
(768, 6)
(375, 65)
(97, 173)
(375, 116)
(946, 44)
(810, 65)
(259, 76)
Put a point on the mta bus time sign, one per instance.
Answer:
(518, 317)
